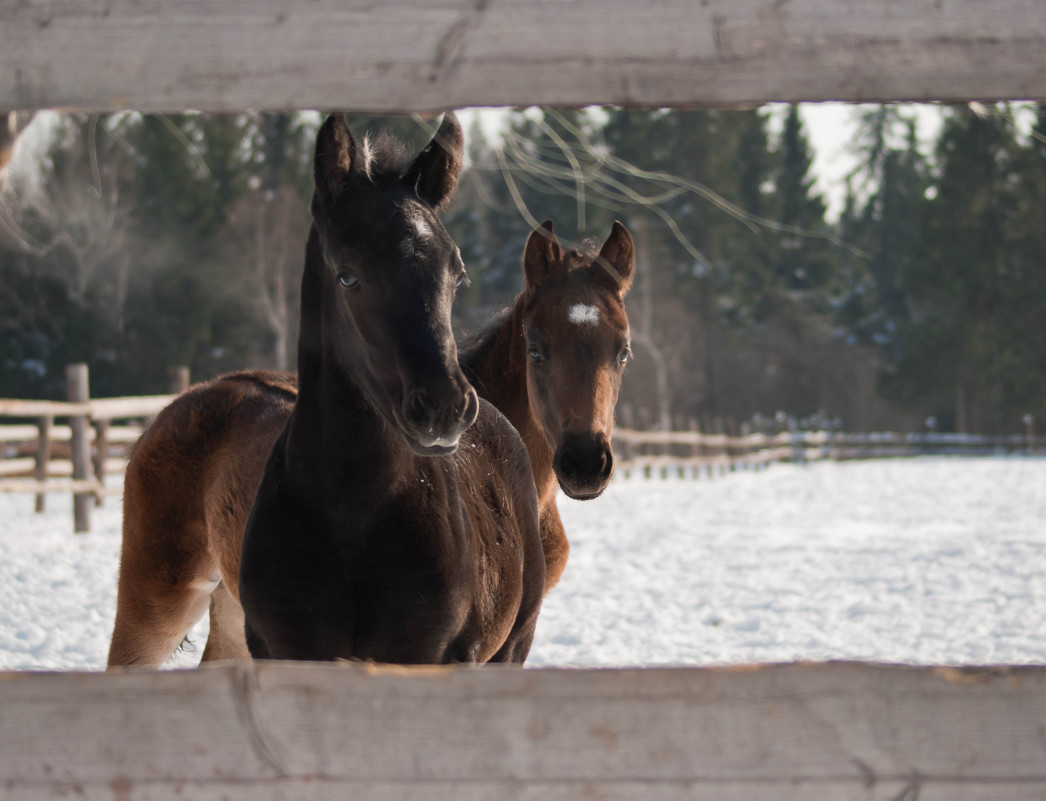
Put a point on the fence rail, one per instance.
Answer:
(97, 408)
(42, 457)
(413, 56)
(266, 730)
(694, 453)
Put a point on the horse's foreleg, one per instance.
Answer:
(226, 639)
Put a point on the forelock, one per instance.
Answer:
(382, 156)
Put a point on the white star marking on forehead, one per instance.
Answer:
(583, 314)
(420, 230)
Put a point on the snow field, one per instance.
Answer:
(929, 560)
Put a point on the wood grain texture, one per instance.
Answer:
(406, 55)
(96, 409)
(282, 730)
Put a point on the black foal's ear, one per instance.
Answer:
(542, 255)
(335, 153)
(616, 259)
(434, 173)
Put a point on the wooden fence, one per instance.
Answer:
(43, 458)
(311, 732)
(694, 454)
(810, 732)
(407, 55)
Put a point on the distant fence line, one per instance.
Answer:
(693, 453)
(42, 457)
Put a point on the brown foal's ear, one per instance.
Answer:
(335, 153)
(434, 173)
(616, 260)
(542, 256)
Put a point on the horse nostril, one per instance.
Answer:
(471, 410)
(417, 408)
(584, 459)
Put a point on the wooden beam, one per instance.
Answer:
(45, 431)
(282, 730)
(409, 55)
(77, 388)
(96, 409)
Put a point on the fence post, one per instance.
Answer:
(77, 391)
(1029, 432)
(43, 456)
(746, 449)
(178, 379)
(723, 461)
(798, 443)
(695, 446)
(101, 455)
(731, 447)
(628, 421)
(706, 449)
(646, 450)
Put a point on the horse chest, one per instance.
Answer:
(327, 581)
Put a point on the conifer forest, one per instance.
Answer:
(137, 242)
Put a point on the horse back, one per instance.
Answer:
(192, 475)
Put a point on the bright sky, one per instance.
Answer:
(829, 128)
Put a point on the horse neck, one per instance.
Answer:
(497, 368)
(333, 427)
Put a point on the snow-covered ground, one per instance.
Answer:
(928, 560)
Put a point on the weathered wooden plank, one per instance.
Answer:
(28, 433)
(45, 428)
(78, 391)
(280, 730)
(87, 486)
(136, 406)
(96, 409)
(562, 790)
(14, 407)
(23, 465)
(56, 468)
(406, 55)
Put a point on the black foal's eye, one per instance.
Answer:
(463, 278)
(348, 279)
(535, 354)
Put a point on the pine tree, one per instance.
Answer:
(886, 227)
(958, 358)
(803, 262)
